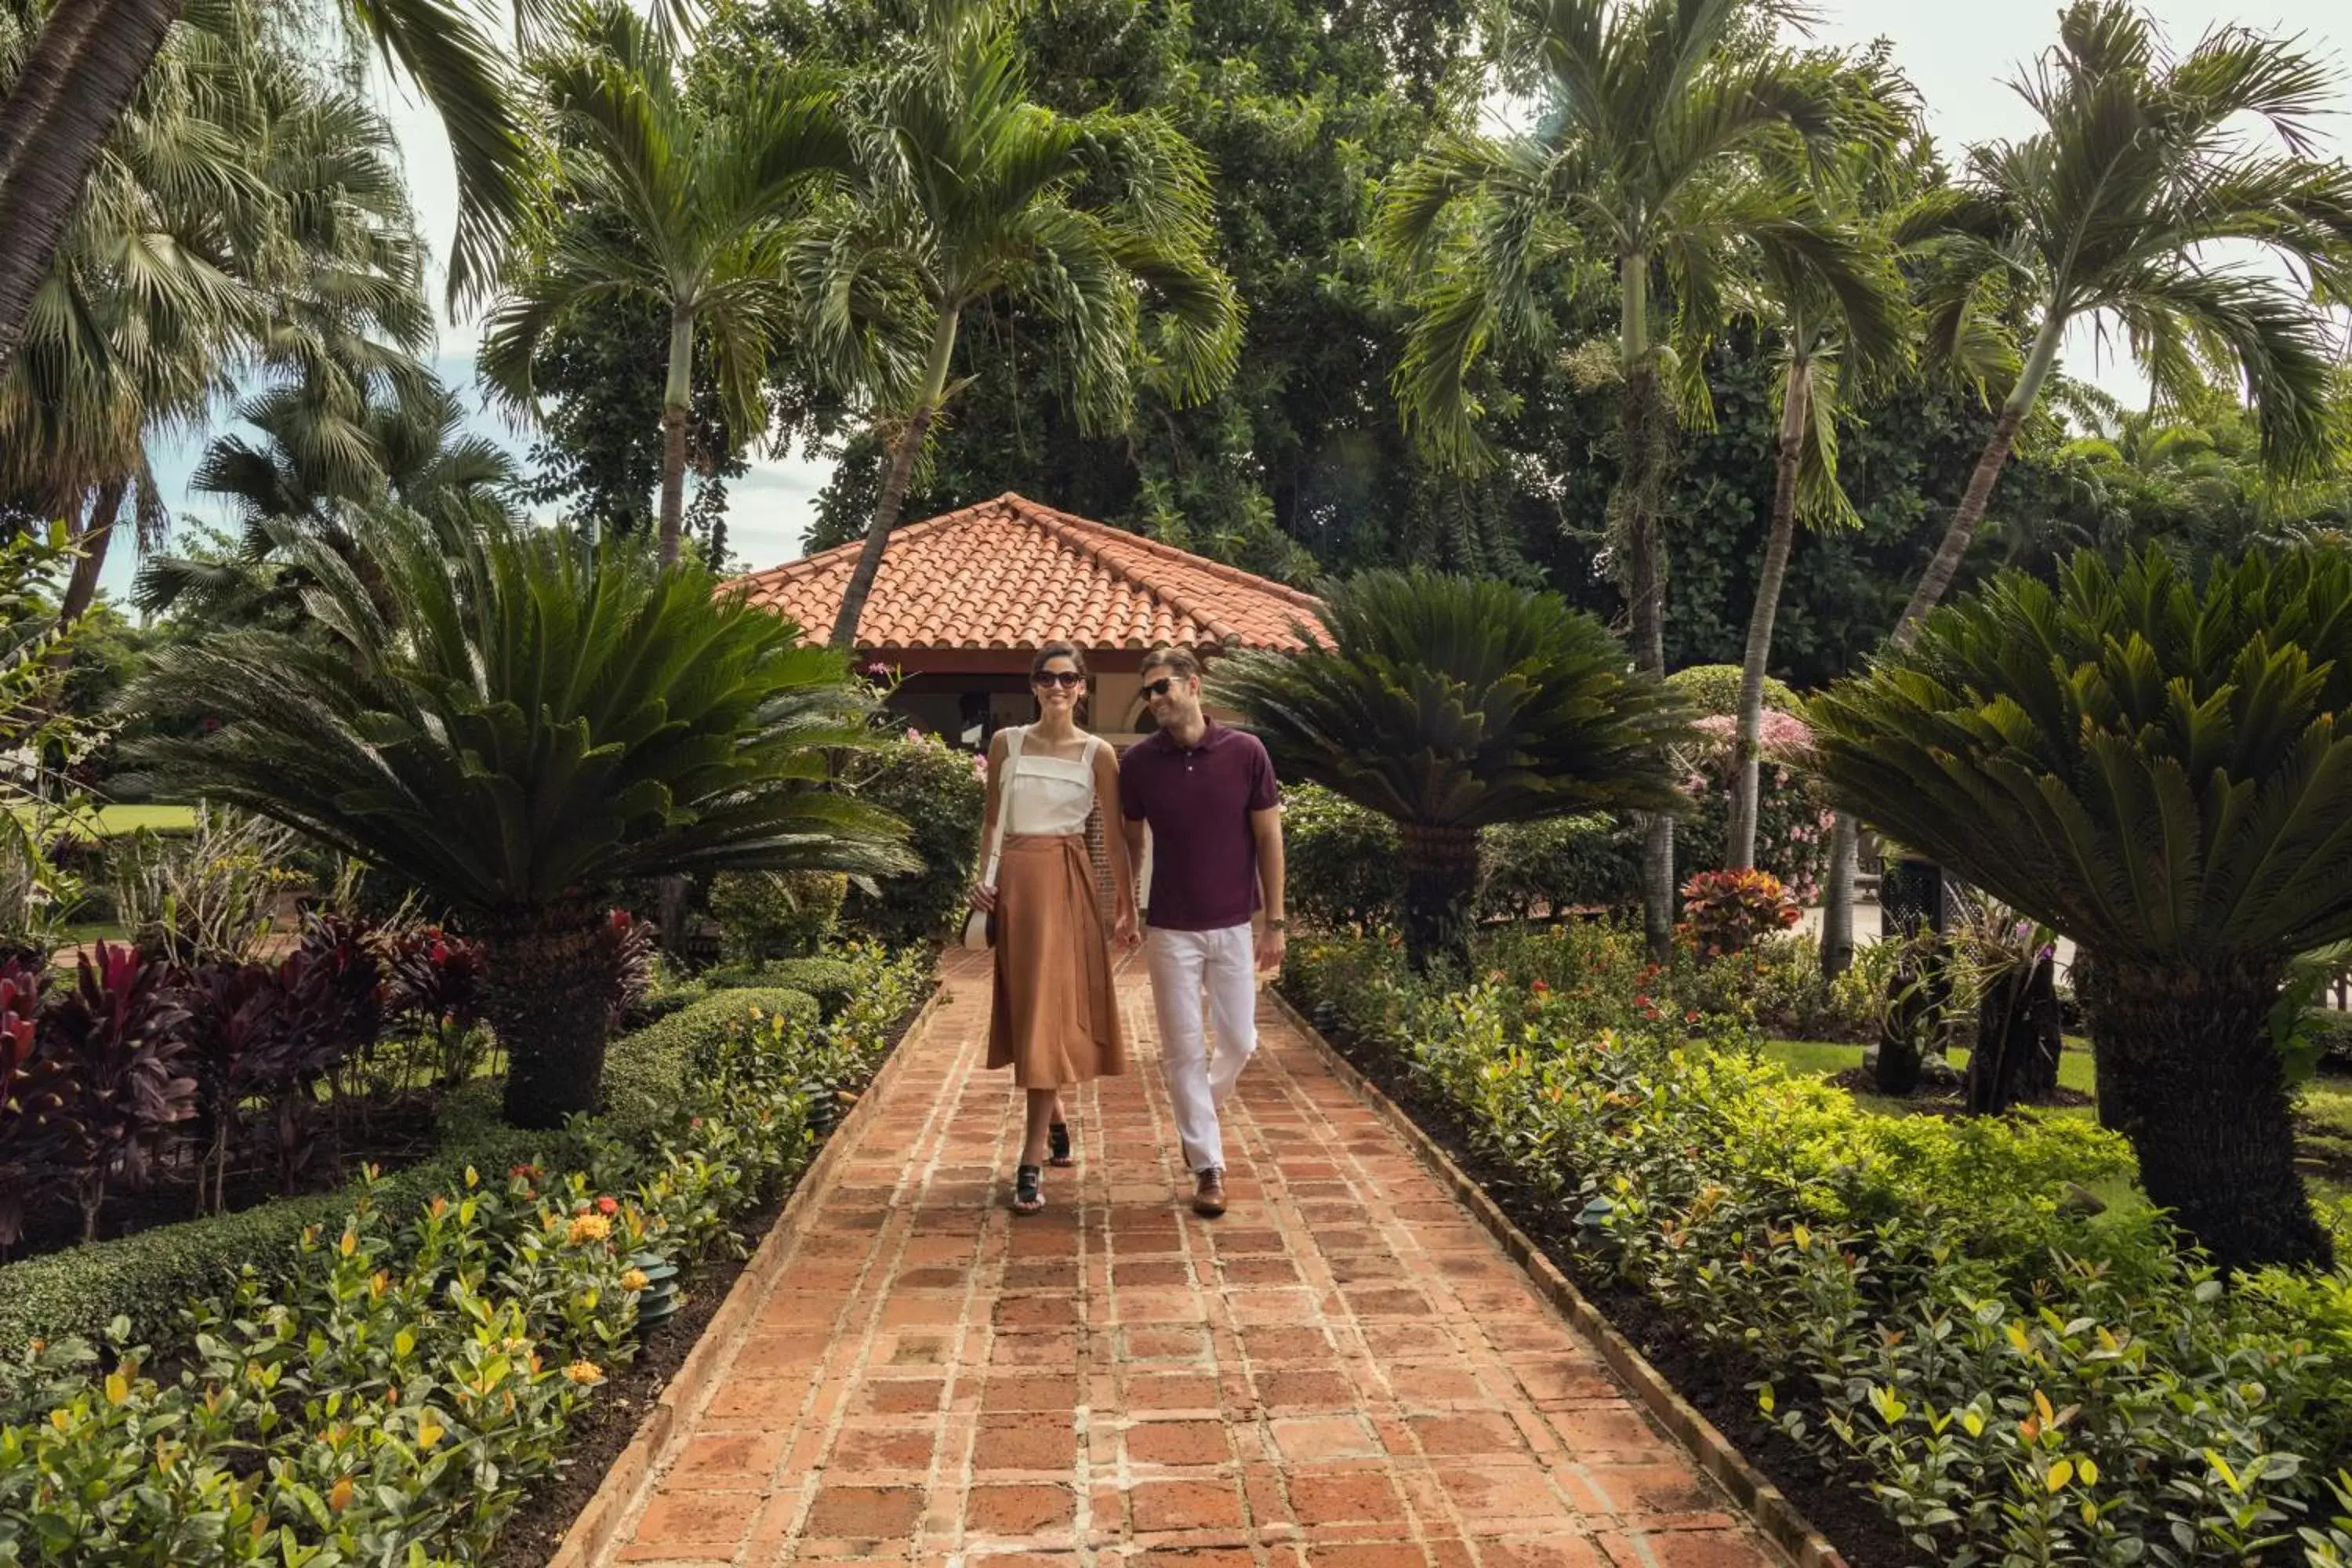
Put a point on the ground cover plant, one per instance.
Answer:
(389, 1392)
(1924, 1304)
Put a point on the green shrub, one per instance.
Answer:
(1713, 688)
(1346, 869)
(1921, 1304)
(387, 1395)
(2329, 1033)
(939, 793)
(765, 915)
(831, 981)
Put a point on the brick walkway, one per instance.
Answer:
(1342, 1372)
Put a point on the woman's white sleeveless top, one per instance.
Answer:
(1048, 795)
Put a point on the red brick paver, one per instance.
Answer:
(1344, 1372)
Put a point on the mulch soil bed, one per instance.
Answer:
(600, 1429)
(1943, 1101)
(1718, 1386)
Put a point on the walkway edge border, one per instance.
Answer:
(1765, 1503)
(632, 1471)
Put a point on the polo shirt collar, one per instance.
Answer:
(1211, 731)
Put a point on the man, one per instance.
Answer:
(1207, 792)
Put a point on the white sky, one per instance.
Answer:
(1960, 55)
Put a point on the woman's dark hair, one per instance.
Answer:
(1053, 650)
(1069, 650)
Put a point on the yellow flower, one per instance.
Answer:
(634, 1279)
(340, 1498)
(589, 1228)
(584, 1373)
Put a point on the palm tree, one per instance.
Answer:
(238, 213)
(2141, 164)
(327, 474)
(967, 189)
(1451, 704)
(540, 726)
(1639, 173)
(672, 200)
(2163, 773)
(78, 75)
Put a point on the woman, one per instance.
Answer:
(1056, 1022)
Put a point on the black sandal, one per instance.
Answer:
(1028, 1189)
(1057, 1138)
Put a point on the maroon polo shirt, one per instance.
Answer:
(1197, 800)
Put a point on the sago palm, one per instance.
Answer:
(2144, 160)
(540, 725)
(80, 65)
(2164, 773)
(1635, 180)
(671, 199)
(1451, 704)
(967, 190)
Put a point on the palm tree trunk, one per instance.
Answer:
(548, 994)
(2189, 1073)
(96, 532)
(1837, 905)
(1441, 880)
(894, 481)
(1937, 580)
(676, 394)
(1643, 424)
(1796, 399)
(83, 69)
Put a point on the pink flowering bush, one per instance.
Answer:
(1792, 830)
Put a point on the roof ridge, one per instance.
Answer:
(1297, 597)
(1066, 528)
(809, 565)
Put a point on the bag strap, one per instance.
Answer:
(1004, 802)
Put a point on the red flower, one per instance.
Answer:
(1691, 1016)
(1542, 987)
(607, 1206)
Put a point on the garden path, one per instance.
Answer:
(1344, 1372)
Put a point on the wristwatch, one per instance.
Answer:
(1276, 925)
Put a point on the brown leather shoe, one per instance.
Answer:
(1209, 1194)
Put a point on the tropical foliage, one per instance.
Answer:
(543, 723)
(1449, 705)
(2155, 769)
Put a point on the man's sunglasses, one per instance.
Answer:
(1160, 688)
(1064, 679)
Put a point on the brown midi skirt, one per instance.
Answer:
(1056, 1016)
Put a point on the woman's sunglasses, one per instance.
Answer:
(1064, 679)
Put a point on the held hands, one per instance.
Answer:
(1124, 930)
(982, 898)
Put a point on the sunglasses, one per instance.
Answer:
(1064, 679)
(1160, 688)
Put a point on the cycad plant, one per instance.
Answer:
(1451, 704)
(2161, 771)
(540, 725)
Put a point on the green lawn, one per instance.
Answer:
(108, 821)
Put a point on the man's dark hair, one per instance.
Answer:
(1176, 661)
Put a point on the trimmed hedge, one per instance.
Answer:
(149, 1278)
(832, 981)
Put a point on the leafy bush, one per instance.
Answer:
(1777, 987)
(1344, 867)
(940, 794)
(210, 894)
(1916, 1301)
(1728, 910)
(1713, 690)
(387, 1392)
(766, 915)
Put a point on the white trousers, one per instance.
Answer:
(1190, 968)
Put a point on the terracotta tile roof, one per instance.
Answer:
(1010, 574)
